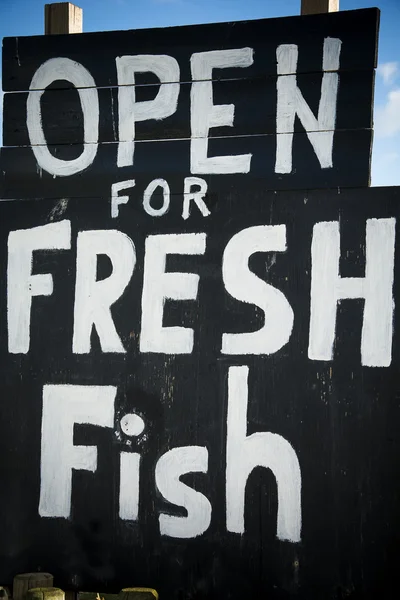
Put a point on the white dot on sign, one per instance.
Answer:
(132, 424)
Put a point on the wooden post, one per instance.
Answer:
(312, 7)
(62, 17)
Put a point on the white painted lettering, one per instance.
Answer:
(159, 286)
(197, 196)
(52, 70)
(148, 193)
(22, 286)
(290, 102)
(204, 114)
(129, 486)
(93, 299)
(245, 286)
(170, 467)
(130, 112)
(63, 406)
(117, 200)
(132, 425)
(328, 288)
(269, 450)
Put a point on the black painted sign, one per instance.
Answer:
(151, 370)
(282, 103)
(199, 357)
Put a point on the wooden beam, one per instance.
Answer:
(62, 17)
(312, 7)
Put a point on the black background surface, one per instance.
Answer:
(341, 418)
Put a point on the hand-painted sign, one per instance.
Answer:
(148, 371)
(199, 376)
(285, 103)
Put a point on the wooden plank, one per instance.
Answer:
(97, 51)
(254, 101)
(312, 7)
(45, 593)
(4, 593)
(170, 159)
(341, 418)
(138, 593)
(63, 17)
(95, 596)
(26, 581)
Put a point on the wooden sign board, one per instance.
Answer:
(230, 425)
(199, 357)
(282, 103)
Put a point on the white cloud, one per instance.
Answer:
(1, 114)
(388, 71)
(387, 116)
(385, 166)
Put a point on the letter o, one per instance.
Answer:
(75, 73)
(149, 191)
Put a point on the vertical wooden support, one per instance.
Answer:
(312, 7)
(62, 17)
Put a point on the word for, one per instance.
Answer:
(189, 196)
(67, 405)
(94, 298)
(204, 114)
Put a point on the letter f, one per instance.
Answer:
(63, 406)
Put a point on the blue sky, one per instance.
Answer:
(25, 17)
